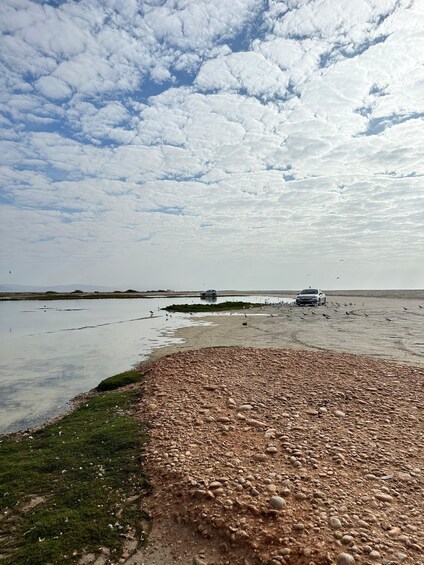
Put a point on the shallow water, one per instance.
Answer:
(52, 352)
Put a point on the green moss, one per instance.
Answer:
(81, 469)
(120, 380)
(229, 305)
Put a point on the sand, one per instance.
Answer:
(387, 326)
(337, 437)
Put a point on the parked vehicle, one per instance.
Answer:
(311, 297)
(208, 294)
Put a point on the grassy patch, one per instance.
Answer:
(120, 380)
(229, 305)
(65, 488)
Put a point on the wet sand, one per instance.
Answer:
(387, 326)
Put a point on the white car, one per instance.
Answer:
(311, 297)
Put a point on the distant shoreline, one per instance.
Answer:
(52, 295)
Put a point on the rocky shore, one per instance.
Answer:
(281, 456)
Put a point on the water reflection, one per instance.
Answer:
(50, 353)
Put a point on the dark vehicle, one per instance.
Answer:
(311, 297)
(208, 294)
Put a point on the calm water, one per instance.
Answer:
(50, 353)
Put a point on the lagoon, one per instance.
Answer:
(51, 352)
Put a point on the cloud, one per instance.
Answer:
(221, 133)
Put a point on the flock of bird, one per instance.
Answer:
(336, 307)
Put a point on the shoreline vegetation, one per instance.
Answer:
(74, 485)
(221, 307)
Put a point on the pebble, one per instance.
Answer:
(345, 559)
(335, 523)
(384, 497)
(339, 413)
(244, 407)
(223, 420)
(374, 555)
(277, 502)
(255, 423)
(197, 560)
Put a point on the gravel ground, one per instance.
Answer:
(284, 456)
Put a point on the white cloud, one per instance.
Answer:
(220, 133)
(250, 72)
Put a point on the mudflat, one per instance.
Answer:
(381, 324)
(290, 436)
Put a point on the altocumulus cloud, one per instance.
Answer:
(165, 143)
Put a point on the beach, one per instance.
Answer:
(321, 413)
(278, 435)
(381, 324)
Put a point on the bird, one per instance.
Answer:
(244, 324)
(419, 306)
(389, 319)
(406, 309)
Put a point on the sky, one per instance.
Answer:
(229, 144)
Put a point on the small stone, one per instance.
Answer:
(394, 532)
(244, 407)
(271, 449)
(345, 559)
(255, 423)
(335, 523)
(215, 484)
(277, 502)
(298, 527)
(223, 420)
(384, 497)
(374, 555)
(339, 413)
(346, 539)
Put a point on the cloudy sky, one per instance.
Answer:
(191, 144)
